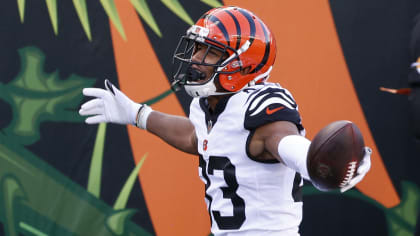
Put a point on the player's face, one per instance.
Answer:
(213, 57)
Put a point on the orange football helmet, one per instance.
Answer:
(244, 39)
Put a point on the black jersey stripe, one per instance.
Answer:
(254, 94)
(238, 29)
(267, 49)
(221, 27)
(251, 24)
(287, 96)
(297, 188)
(269, 93)
(262, 91)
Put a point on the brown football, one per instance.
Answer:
(334, 155)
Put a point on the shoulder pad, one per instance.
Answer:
(269, 105)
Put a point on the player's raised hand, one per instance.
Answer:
(364, 167)
(109, 105)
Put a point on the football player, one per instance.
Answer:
(246, 132)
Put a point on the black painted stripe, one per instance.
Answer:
(221, 27)
(238, 29)
(267, 49)
(251, 24)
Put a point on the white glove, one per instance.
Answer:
(113, 106)
(364, 167)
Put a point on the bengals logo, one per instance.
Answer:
(205, 144)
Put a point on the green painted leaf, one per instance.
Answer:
(36, 96)
(95, 172)
(179, 10)
(122, 199)
(402, 219)
(143, 9)
(159, 97)
(31, 229)
(112, 12)
(62, 208)
(117, 220)
(52, 10)
(82, 13)
(12, 191)
(21, 6)
(212, 3)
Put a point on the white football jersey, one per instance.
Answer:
(245, 196)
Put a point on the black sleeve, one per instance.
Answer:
(270, 105)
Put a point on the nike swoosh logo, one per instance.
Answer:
(271, 111)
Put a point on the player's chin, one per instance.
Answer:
(201, 81)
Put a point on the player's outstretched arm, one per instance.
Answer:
(177, 131)
(293, 150)
(110, 105)
(293, 154)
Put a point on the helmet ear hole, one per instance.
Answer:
(245, 70)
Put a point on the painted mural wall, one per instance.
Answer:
(59, 176)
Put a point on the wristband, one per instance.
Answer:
(142, 115)
(292, 150)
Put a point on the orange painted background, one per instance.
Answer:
(173, 192)
(310, 64)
